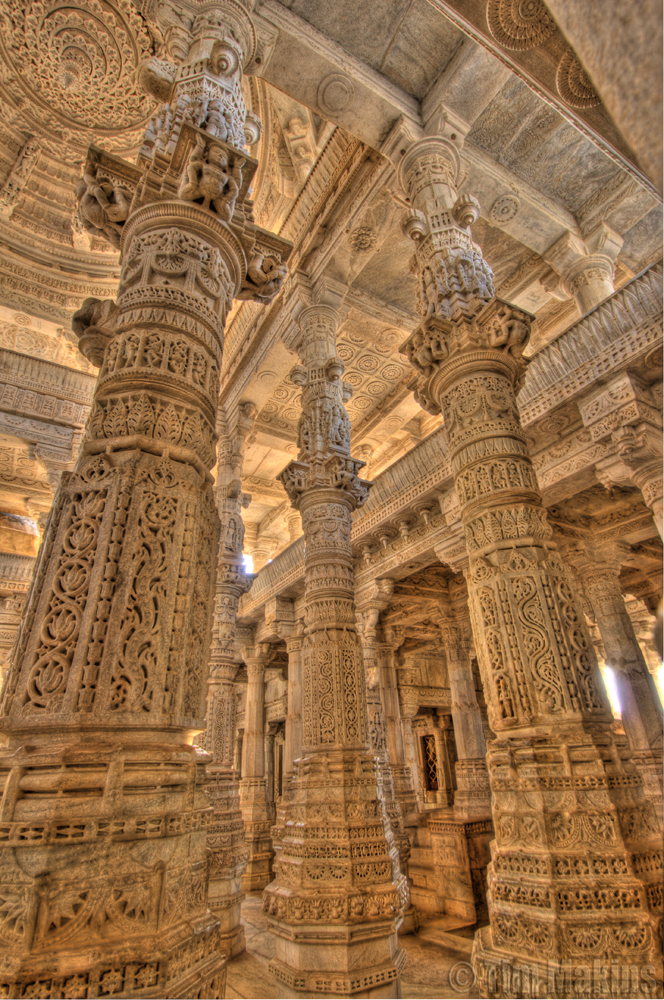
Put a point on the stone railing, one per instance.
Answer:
(284, 570)
(611, 336)
(16, 571)
(46, 377)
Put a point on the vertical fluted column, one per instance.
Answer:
(333, 903)
(104, 857)
(473, 795)
(598, 568)
(558, 781)
(253, 784)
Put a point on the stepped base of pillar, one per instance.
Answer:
(501, 975)
(225, 901)
(409, 921)
(258, 834)
(184, 962)
(227, 858)
(576, 864)
(461, 854)
(361, 960)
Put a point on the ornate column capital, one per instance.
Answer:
(586, 265)
(256, 658)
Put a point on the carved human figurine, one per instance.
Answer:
(190, 183)
(218, 186)
(430, 292)
(216, 123)
(265, 277)
(103, 206)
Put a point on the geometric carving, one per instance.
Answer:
(519, 26)
(573, 83)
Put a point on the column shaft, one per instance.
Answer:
(104, 861)
(253, 784)
(573, 831)
(336, 894)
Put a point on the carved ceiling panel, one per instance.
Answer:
(70, 70)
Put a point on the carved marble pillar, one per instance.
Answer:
(576, 858)
(293, 741)
(473, 795)
(294, 637)
(368, 616)
(394, 725)
(336, 895)
(408, 712)
(253, 784)
(598, 568)
(444, 765)
(226, 842)
(104, 861)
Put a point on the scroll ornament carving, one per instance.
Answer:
(116, 635)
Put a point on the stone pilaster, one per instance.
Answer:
(104, 864)
(368, 615)
(577, 855)
(402, 777)
(226, 843)
(294, 637)
(473, 795)
(253, 784)
(336, 895)
(598, 568)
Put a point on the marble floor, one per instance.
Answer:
(437, 960)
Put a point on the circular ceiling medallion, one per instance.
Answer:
(367, 363)
(519, 24)
(392, 372)
(335, 93)
(363, 239)
(504, 209)
(71, 69)
(574, 84)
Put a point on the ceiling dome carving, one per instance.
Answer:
(70, 69)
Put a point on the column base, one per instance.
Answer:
(333, 961)
(257, 833)
(183, 962)
(228, 911)
(501, 975)
(460, 857)
(649, 764)
(409, 921)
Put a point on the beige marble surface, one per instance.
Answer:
(426, 975)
